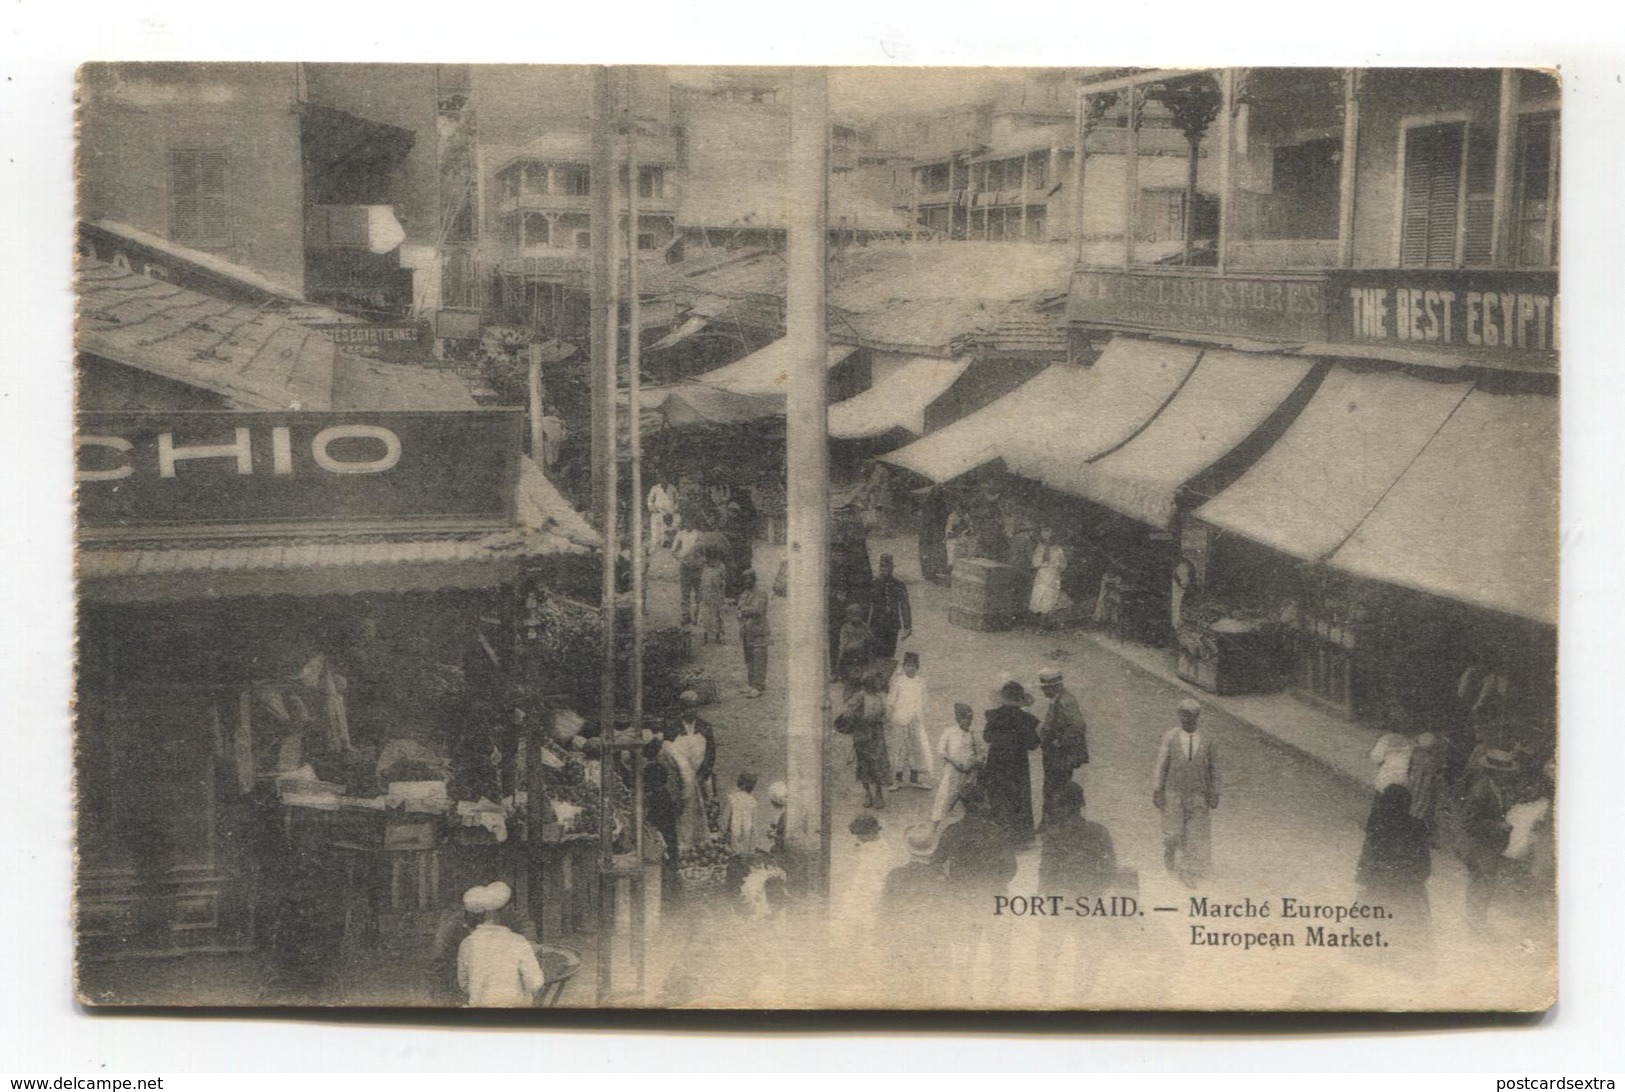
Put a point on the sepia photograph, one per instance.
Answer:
(750, 538)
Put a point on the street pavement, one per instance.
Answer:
(1286, 826)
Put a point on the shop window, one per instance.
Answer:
(1037, 173)
(1161, 215)
(198, 211)
(651, 182)
(1536, 196)
(1448, 198)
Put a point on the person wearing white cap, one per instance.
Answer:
(496, 967)
(1185, 789)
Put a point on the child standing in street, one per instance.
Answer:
(739, 817)
(906, 741)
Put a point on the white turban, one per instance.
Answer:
(483, 900)
(778, 793)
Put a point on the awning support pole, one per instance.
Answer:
(640, 548)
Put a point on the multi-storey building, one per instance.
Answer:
(320, 178)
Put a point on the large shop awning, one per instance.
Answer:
(1223, 403)
(1475, 518)
(766, 371)
(1312, 488)
(1126, 387)
(898, 401)
(338, 564)
(978, 438)
(692, 403)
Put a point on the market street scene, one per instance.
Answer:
(753, 538)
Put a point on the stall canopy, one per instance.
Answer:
(691, 403)
(1124, 389)
(342, 565)
(1311, 489)
(1225, 401)
(979, 438)
(898, 401)
(1475, 517)
(688, 329)
(766, 371)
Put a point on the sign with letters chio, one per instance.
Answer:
(1474, 310)
(1266, 307)
(226, 472)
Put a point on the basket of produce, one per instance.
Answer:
(703, 869)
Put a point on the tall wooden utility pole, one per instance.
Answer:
(606, 350)
(601, 181)
(807, 411)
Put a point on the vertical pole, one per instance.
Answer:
(1347, 172)
(1227, 173)
(1024, 161)
(535, 384)
(603, 183)
(1506, 138)
(1131, 177)
(600, 181)
(1080, 137)
(806, 813)
(639, 532)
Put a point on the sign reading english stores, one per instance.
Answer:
(1281, 308)
(226, 473)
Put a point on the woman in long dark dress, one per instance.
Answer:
(1396, 860)
(1011, 733)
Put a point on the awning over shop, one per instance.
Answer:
(1223, 403)
(1315, 484)
(898, 401)
(981, 437)
(687, 330)
(1475, 517)
(339, 564)
(692, 403)
(766, 371)
(1124, 389)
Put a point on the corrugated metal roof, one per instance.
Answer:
(252, 357)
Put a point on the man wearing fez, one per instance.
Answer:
(890, 618)
(1185, 788)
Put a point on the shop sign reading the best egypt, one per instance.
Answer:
(224, 473)
(1502, 311)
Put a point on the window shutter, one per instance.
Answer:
(1478, 228)
(1432, 187)
(199, 211)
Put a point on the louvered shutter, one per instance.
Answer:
(1478, 227)
(199, 213)
(1432, 188)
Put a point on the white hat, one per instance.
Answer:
(483, 900)
(778, 793)
(1049, 675)
(1191, 706)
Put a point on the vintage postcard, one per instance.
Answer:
(889, 538)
